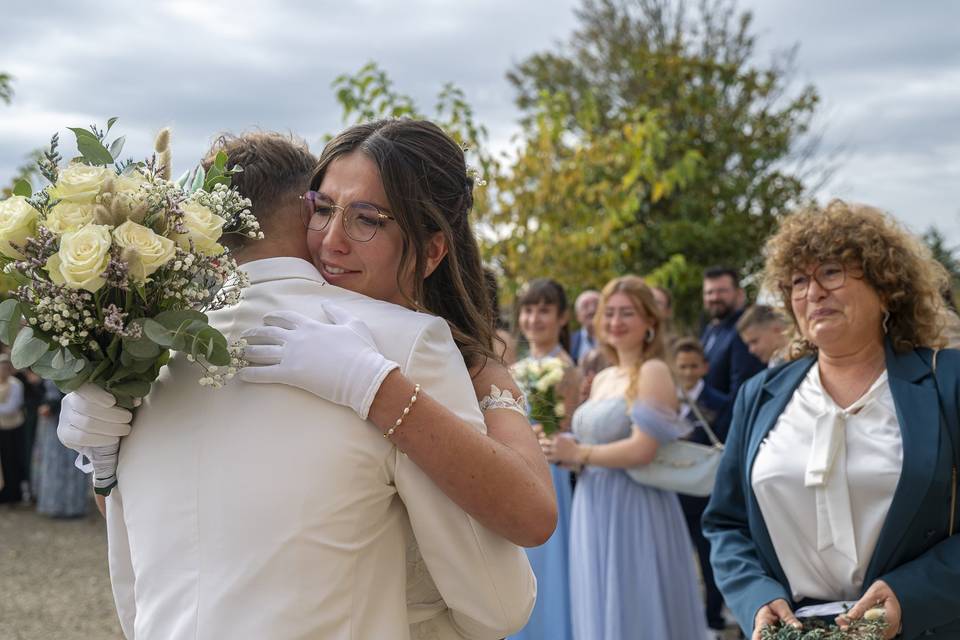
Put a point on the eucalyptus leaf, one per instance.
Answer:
(210, 184)
(47, 367)
(215, 347)
(137, 366)
(158, 333)
(91, 148)
(27, 349)
(74, 383)
(10, 316)
(134, 388)
(220, 161)
(142, 348)
(123, 373)
(22, 188)
(117, 147)
(176, 320)
(110, 122)
(198, 180)
(100, 368)
(184, 178)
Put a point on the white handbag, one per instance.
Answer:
(682, 466)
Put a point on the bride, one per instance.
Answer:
(387, 216)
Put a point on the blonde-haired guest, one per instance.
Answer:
(839, 479)
(631, 566)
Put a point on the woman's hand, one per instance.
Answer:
(562, 448)
(878, 596)
(338, 361)
(772, 613)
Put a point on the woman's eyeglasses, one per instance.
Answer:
(829, 275)
(360, 219)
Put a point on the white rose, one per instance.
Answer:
(204, 227)
(68, 216)
(129, 182)
(143, 250)
(18, 221)
(80, 183)
(560, 410)
(83, 257)
(550, 378)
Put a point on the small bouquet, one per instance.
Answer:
(539, 380)
(115, 266)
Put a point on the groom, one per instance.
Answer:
(265, 512)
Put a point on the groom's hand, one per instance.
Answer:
(338, 361)
(92, 425)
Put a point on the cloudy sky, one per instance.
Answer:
(888, 73)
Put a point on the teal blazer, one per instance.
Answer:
(914, 554)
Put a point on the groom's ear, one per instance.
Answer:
(436, 252)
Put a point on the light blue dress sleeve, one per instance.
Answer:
(660, 423)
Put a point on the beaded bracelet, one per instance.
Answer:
(406, 410)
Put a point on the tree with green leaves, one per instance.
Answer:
(654, 143)
(6, 87)
(945, 255)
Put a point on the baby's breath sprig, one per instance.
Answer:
(215, 376)
(232, 207)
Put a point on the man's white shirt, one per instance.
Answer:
(262, 511)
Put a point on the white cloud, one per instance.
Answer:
(889, 75)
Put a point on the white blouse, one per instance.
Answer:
(824, 478)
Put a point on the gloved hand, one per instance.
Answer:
(92, 426)
(338, 361)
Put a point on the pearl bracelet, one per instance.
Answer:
(406, 410)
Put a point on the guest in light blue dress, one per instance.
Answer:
(63, 491)
(632, 574)
(542, 319)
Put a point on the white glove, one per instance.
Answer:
(338, 361)
(92, 426)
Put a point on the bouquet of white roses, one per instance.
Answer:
(539, 380)
(116, 265)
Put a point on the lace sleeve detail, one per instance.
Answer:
(503, 399)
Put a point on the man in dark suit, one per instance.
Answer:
(691, 367)
(731, 363)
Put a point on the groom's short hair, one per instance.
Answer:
(277, 168)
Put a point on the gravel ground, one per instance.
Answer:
(54, 583)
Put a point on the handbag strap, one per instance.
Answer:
(953, 471)
(714, 440)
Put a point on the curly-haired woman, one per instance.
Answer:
(839, 480)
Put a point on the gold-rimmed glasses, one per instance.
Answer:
(360, 220)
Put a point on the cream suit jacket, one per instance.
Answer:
(263, 512)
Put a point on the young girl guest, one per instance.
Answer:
(543, 320)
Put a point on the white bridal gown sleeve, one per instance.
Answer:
(485, 581)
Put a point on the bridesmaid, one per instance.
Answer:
(631, 560)
(543, 320)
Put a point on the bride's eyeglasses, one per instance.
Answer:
(360, 219)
